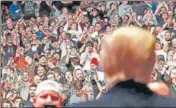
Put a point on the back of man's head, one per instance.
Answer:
(128, 54)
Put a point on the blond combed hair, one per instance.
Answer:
(128, 50)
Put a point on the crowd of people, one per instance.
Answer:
(61, 41)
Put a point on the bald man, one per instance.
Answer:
(128, 58)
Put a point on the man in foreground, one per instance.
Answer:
(128, 58)
(48, 94)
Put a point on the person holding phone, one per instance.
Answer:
(96, 77)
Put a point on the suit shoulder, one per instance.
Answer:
(165, 102)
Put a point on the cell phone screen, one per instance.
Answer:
(92, 75)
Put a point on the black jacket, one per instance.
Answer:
(130, 94)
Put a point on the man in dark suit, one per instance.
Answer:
(128, 59)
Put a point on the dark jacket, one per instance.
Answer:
(130, 94)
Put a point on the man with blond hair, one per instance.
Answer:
(128, 58)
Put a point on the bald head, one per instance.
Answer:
(128, 53)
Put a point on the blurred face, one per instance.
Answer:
(65, 11)
(28, 59)
(113, 6)
(86, 19)
(61, 29)
(9, 41)
(21, 51)
(32, 91)
(63, 34)
(145, 11)
(93, 67)
(37, 79)
(167, 36)
(51, 77)
(17, 102)
(125, 19)
(68, 42)
(116, 17)
(48, 98)
(68, 76)
(134, 14)
(163, 9)
(91, 29)
(74, 26)
(43, 60)
(108, 29)
(94, 13)
(9, 24)
(36, 28)
(25, 77)
(70, 17)
(79, 75)
(103, 7)
(57, 56)
(157, 46)
(164, 16)
(106, 21)
(50, 64)
(89, 48)
(79, 92)
(47, 32)
(124, 2)
(160, 64)
(7, 86)
(73, 51)
(41, 71)
(46, 19)
(57, 76)
(56, 45)
(41, 28)
(170, 13)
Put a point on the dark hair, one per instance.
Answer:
(78, 85)
(56, 70)
(112, 4)
(68, 36)
(58, 30)
(160, 57)
(32, 85)
(50, 73)
(18, 98)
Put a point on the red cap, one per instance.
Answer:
(94, 61)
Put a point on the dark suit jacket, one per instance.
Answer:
(130, 94)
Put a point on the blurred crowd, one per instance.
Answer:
(60, 41)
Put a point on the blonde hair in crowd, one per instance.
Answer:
(128, 53)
